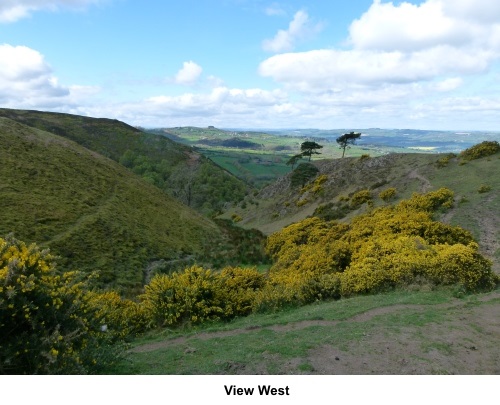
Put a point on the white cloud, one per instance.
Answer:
(188, 74)
(27, 81)
(395, 45)
(300, 28)
(326, 69)
(24, 74)
(274, 9)
(220, 98)
(13, 10)
(403, 59)
(221, 106)
(449, 84)
(387, 27)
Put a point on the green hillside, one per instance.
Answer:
(174, 168)
(337, 181)
(91, 211)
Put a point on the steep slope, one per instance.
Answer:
(91, 211)
(174, 168)
(281, 204)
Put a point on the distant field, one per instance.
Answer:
(260, 158)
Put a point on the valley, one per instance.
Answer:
(200, 236)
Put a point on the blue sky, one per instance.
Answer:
(432, 64)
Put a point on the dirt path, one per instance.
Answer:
(426, 184)
(489, 224)
(463, 340)
(293, 326)
(467, 344)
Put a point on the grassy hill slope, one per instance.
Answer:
(174, 168)
(92, 211)
(281, 204)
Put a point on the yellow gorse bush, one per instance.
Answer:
(361, 197)
(197, 294)
(483, 149)
(386, 247)
(237, 290)
(187, 296)
(50, 322)
(387, 194)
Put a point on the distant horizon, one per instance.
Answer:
(253, 129)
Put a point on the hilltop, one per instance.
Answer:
(93, 212)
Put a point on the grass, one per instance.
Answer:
(465, 181)
(263, 343)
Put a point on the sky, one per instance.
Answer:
(429, 64)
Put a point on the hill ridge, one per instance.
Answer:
(90, 210)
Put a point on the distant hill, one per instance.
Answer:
(400, 140)
(176, 169)
(93, 212)
(330, 192)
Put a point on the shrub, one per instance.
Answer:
(236, 218)
(315, 187)
(483, 188)
(387, 247)
(185, 297)
(276, 297)
(387, 194)
(119, 317)
(47, 321)
(443, 161)
(321, 287)
(361, 197)
(442, 198)
(462, 264)
(483, 149)
(237, 289)
(301, 202)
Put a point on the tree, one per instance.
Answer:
(293, 160)
(303, 173)
(308, 148)
(347, 139)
